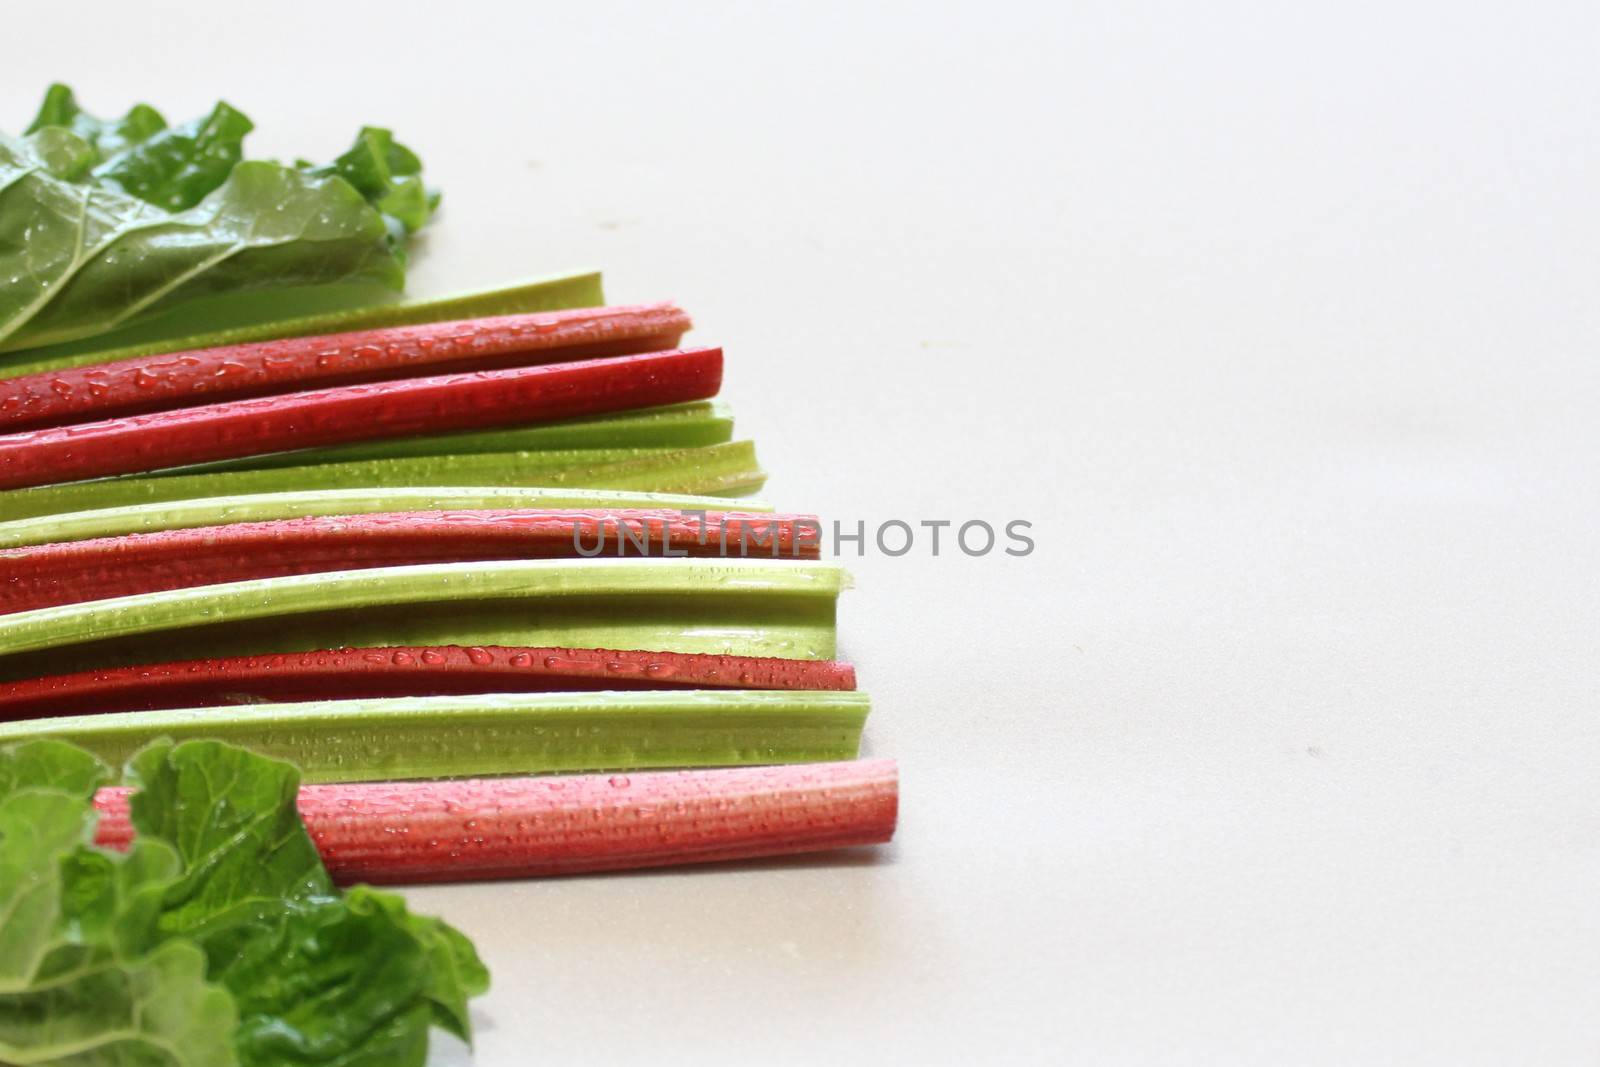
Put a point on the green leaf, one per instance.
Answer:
(107, 136)
(455, 973)
(216, 940)
(76, 982)
(231, 817)
(388, 174)
(158, 1011)
(317, 978)
(50, 765)
(104, 224)
(38, 828)
(45, 792)
(177, 168)
(116, 901)
(84, 256)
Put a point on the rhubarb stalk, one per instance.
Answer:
(741, 607)
(418, 832)
(264, 368)
(63, 573)
(557, 293)
(691, 425)
(719, 469)
(82, 525)
(480, 399)
(348, 673)
(495, 733)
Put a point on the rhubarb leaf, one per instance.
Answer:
(107, 136)
(157, 1011)
(52, 765)
(45, 788)
(177, 168)
(326, 979)
(455, 973)
(107, 223)
(38, 827)
(318, 977)
(388, 174)
(76, 985)
(216, 940)
(232, 819)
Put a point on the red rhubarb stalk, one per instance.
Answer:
(478, 400)
(390, 672)
(42, 576)
(413, 832)
(233, 372)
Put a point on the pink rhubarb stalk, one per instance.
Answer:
(456, 831)
(388, 672)
(234, 372)
(46, 575)
(477, 400)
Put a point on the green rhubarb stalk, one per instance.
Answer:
(738, 607)
(714, 470)
(556, 293)
(513, 733)
(410, 468)
(264, 507)
(693, 425)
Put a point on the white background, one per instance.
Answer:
(1279, 322)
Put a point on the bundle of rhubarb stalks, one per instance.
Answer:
(470, 564)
